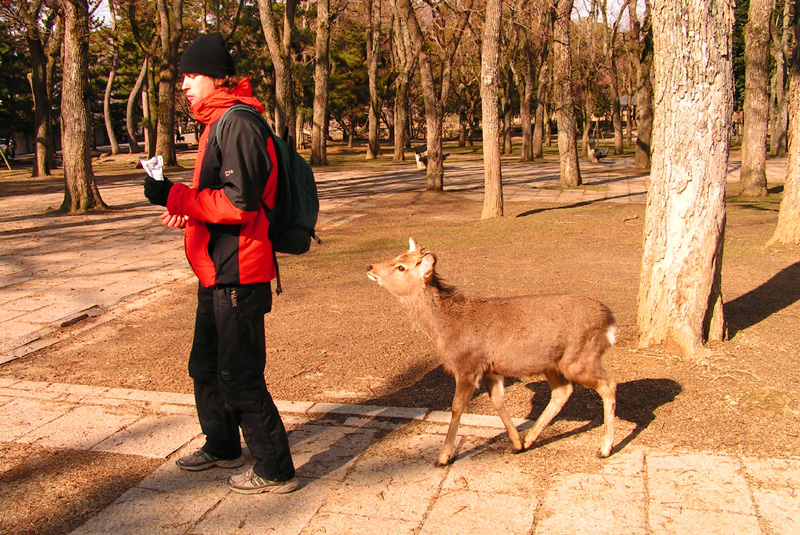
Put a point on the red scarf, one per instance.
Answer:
(209, 109)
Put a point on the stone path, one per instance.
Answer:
(363, 469)
(370, 470)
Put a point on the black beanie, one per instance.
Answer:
(208, 56)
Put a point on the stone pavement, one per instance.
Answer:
(370, 470)
(363, 469)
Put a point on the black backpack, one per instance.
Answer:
(293, 220)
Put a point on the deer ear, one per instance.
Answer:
(427, 267)
(412, 245)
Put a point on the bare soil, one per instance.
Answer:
(336, 336)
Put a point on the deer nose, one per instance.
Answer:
(369, 267)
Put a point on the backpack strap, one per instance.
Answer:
(269, 213)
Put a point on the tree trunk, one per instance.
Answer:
(565, 113)
(403, 57)
(787, 230)
(80, 191)
(373, 51)
(434, 103)
(490, 71)
(680, 297)
(130, 120)
(322, 69)
(644, 96)
(779, 111)
(280, 50)
(112, 137)
(43, 127)
(753, 181)
(171, 28)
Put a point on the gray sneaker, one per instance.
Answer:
(250, 483)
(200, 460)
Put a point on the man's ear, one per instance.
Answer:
(427, 267)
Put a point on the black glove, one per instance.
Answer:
(157, 191)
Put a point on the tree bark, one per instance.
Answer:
(112, 137)
(403, 57)
(680, 298)
(779, 111)
(80, 192)
(373, 52)
(787, 230)
(322, 69)
(170, 14)
(565, 113)
(527, 100)
(753, 175)
(280, 50)
(490, 71)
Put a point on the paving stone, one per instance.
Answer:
(80, 429)
(293, 406)
(153, 436)
(369, 410)
(322, 451)
(775, 484)
(597, 504)
(462, 511)
(30, 394)
(327, 523)
(23, 415)
(492, 469)
(276, 514)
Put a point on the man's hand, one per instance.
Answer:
(172, 220)
(157, 191)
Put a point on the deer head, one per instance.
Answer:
(407, 273)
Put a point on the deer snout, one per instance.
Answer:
(370, 274)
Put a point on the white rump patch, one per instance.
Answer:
(612, 334)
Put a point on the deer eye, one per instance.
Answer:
(401, 268)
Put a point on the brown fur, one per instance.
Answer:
(560, 336)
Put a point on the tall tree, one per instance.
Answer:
(170, 15)
(80, 191)
(436, 47)
(543, 77)
(490, 72)
(112, 41)
(680, 296)
(643, 45)
(778, 103)
(565, 112)
(322, 71)
(756, 100)
(373, 37)
(404, 61)
(787, 230)
(279, 44)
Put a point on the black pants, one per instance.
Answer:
(227, 364)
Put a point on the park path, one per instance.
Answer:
(363, 469)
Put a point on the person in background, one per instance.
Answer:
(227, 245)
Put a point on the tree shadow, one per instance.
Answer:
(779, 292)
(569, 206)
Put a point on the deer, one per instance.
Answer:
(560, 336)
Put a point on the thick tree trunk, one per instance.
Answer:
(373, 50)
(753, 174)
(565, 113)
(787, 230)
(319, 143)
(80, 191)
(280, 50)
(644, 95)
(680, 297)
(779, 111)
(490, 71)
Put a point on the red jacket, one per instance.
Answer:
(226, 236)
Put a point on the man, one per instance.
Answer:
(228, 247)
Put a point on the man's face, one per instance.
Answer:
(197, 87)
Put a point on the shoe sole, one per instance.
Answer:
(290, 486)
(233, 463)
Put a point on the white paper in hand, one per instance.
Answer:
(154, 167)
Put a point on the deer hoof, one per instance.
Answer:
(601, 454)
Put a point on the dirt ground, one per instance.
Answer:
(336, 336)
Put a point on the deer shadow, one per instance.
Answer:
(637, 402)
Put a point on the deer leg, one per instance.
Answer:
(608, 391)
(464, 390)
(561, 391)
(494, 383)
